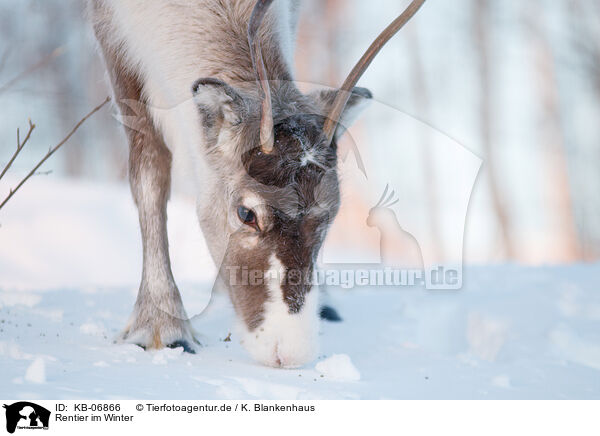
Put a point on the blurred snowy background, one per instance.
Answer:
(516, 84)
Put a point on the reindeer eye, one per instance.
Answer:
(247, 216)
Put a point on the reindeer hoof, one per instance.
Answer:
(160, 333)
(328, 313)
(187, 347)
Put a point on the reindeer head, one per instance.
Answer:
(273, 151)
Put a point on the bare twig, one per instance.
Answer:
(52, 150)
(20, 146)
(57, 52)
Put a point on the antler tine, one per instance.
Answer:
(344, 93)
(266, 117)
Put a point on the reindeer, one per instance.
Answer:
(215, 80)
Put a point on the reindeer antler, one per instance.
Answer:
(266, 117)
(344, 93)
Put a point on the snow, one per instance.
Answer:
(501, 381)
(338, 367)
(67, 288)
(90, 328)
(36, 372)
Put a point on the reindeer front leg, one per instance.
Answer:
(158, 318)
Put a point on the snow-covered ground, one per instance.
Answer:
(70, 259)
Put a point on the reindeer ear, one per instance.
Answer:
(359, 100)
(218, 102)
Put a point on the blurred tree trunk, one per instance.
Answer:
(74, 156)
(318, 36)
(68, 102)
(482, 21)
(585, 22)
(584, 26)
(331, 22)
(558, 190)
(422, 105)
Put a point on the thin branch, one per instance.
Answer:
(57, 52)
(20, 146)
(52, 150)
